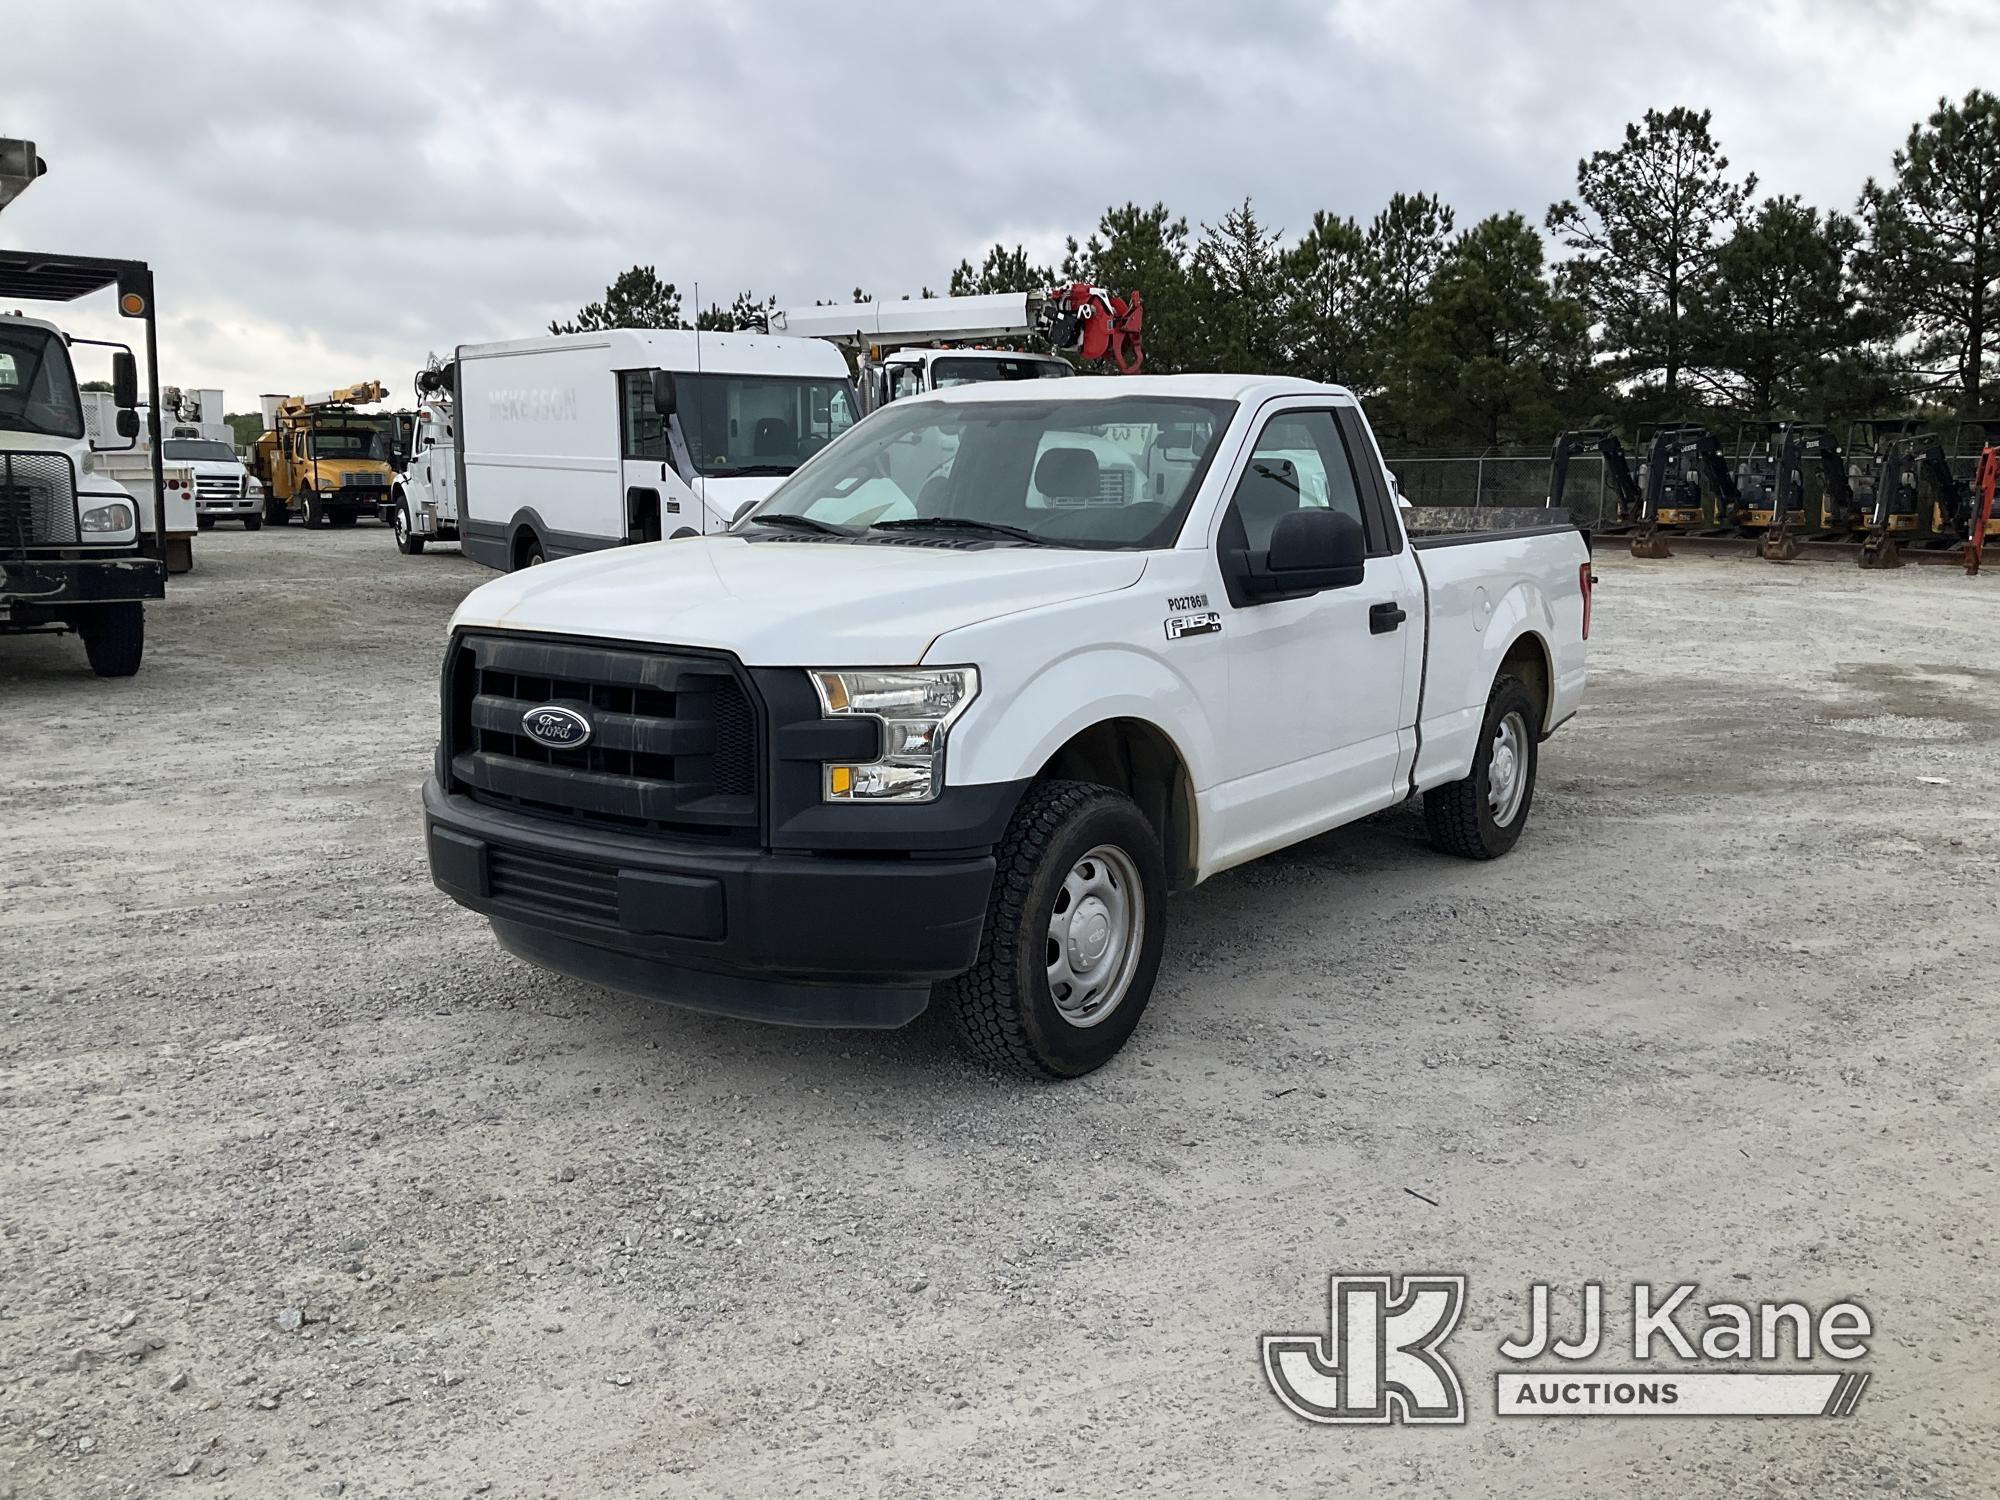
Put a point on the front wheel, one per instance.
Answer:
(204, 523)
(407, 541)
(315, 511)
(1073, 933)
(114, 638)
(253, 523)
(1481, 816)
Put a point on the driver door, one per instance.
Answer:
(1316, 684)
(657, 499)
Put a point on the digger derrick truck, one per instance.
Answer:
(74, 552)
(323, 460)
(909, 347)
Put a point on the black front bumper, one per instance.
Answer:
(803, 939)
(61, 583)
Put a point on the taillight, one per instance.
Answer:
(1584, 579)
(173, 484)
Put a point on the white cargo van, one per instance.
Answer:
(587, 440)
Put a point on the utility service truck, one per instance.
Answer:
(205, 481)
(579, 441)
(423, 504)
(884, 741)
(71, 543)
(324, 460)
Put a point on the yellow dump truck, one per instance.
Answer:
(323, 460)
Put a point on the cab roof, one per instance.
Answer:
(1244, 388)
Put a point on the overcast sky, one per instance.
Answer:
(326, 193)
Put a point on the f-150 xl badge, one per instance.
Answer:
(1206, 622)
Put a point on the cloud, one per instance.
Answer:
(327, 195)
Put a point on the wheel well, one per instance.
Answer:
(1137, 758)
(1528, 659)
(522, 537)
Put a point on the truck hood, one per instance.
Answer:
(779, 604)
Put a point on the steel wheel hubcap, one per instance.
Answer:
(1096, 930)
(1507, 769)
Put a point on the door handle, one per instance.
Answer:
(1385, 617)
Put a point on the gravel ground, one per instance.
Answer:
(306, 1188)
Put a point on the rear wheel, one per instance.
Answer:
(1481, 816)
(114, 638)
(528, 552)
(1073, 932)
(276, 511)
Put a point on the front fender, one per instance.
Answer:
(1024, 715)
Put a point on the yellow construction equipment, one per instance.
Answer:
(321, 459)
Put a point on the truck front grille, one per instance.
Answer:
(362, 482)
(673, 744)
(218, 487)
(37, 501)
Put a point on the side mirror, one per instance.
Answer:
(1311, 550)
(128, 422)
(124, 380)
(663, 393)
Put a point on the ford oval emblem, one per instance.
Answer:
(557, 727)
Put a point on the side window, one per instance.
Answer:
(1299, 462)
(645, 429)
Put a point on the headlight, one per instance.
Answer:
(115, 517)
(917, 708)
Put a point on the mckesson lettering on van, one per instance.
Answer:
(534, 404)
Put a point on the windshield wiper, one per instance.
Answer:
(804, 523)
(748, 470)
(965, 523)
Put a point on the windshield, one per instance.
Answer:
(207, 450)
(967, 369)
(37, 386)
(352, 442)
(759, 424)
(1118, 471)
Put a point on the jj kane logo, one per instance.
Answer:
(1382, 1359)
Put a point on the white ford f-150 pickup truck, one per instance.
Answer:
(953, 710)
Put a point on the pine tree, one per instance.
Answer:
(1644, 239)
(1932, 258)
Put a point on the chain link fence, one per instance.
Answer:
(1506, 482)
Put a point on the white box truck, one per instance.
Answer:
(573, 442)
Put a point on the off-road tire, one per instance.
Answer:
(114, 637)
(1458, 816)
(1002, 1005)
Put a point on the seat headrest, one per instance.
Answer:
(1067, 474)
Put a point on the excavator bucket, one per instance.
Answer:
(1777, 547)
(1880, 551)
(1651, 544)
